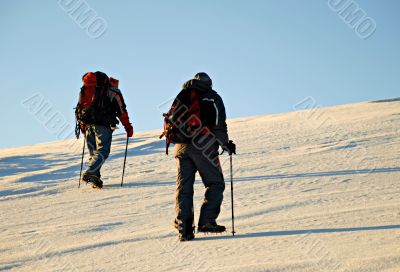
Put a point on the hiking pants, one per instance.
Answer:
(98, 140)
(189, 160)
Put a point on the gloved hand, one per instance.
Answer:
(83, 129)
(129, 130)
(230, 147)
(124, 118)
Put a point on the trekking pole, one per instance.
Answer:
(123, 170)
(233, 216)
(83, 154)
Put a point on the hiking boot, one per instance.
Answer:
(93, 180)
(186, 237)
(211, 227)
(186, 230)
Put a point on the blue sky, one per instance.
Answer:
(263, 56)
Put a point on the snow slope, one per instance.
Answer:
(315, 190)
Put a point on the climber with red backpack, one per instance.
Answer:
(196, 124)
(100, 104)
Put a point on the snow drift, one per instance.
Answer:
(315, 190)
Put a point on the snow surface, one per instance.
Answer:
(315, 190)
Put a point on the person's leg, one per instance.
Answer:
(184, 190)
(213, 179)
(100, 148)
(90, 140)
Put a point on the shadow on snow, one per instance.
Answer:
(299, 232)
(320, 174)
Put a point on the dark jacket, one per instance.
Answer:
(212, 108)
(103, 111)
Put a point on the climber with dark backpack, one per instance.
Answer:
(100, 104)
(195, 111)
(196, 124)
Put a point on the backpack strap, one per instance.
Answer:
(167, 143)
(166, 133)
(77, 130)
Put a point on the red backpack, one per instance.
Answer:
(183, 120)
(93, 106)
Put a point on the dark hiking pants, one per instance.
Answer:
(189, 160)
(98, 140)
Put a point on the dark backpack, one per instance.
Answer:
(185, 118)
(94, 106)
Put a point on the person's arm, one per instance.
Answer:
(220, 129)
(118, 104)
